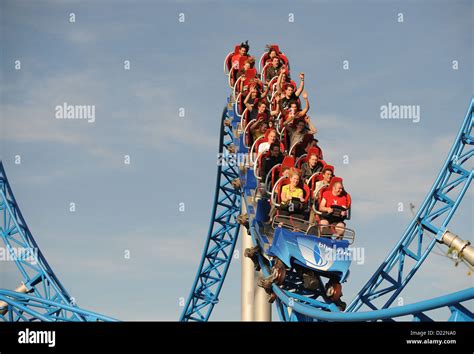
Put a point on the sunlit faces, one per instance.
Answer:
(242, 51)
(285, 172)
(327, 175)
(313, 160)
(262, 107)
(294, 179)
(272, 137)
(263, 127)
(337, 189)
(289, 91)
(275, 62)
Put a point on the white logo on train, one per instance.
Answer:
(312, 254)
(320, 255)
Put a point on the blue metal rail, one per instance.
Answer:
(296, 307)
(24, 307)
(432, 220)
(40, 283)
(293, 306)
(439, 206)
(223, 232)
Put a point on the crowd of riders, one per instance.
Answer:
(280, 135)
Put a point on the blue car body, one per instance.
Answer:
(326, 256)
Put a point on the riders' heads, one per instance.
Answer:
(327, 175)
(300, 125)
(293, 106)
(275, 150)
(313, 160)
(272, 53)
(337, 188)
(272, 135)
(275, 62)
(263, 127)
(289, 90)
(244, 48)
(311, 144)
(262, 107)
(253, 91)
(294, 177)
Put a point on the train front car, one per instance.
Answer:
(308, 258)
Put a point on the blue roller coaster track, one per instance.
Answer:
(373, 301)
(40, 295)
(223, 232)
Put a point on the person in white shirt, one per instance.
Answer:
(271, 138)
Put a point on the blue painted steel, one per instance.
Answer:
(413, 310)
(304, 308)
(431, 220)
(324, 255)
(222, 236)
(24, 307)
(36, 274)
(433, 217)
(263, 210)
(317, 310)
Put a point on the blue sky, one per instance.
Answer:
(173, 159)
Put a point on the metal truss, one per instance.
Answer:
(223, 230)
(40, 295)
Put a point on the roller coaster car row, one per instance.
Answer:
(301, 205)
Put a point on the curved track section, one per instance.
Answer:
(39, 295)
(428, 226)
(24, 307)
(454, 179)
(375, 297)
(223, 230)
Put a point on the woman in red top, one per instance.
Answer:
(334, 206)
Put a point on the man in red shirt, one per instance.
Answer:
(334, 205)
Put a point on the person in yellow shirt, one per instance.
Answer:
(292, 190)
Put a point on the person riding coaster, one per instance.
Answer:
(308, 251)
(334, 207)
(309, 248)
(307, 258)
